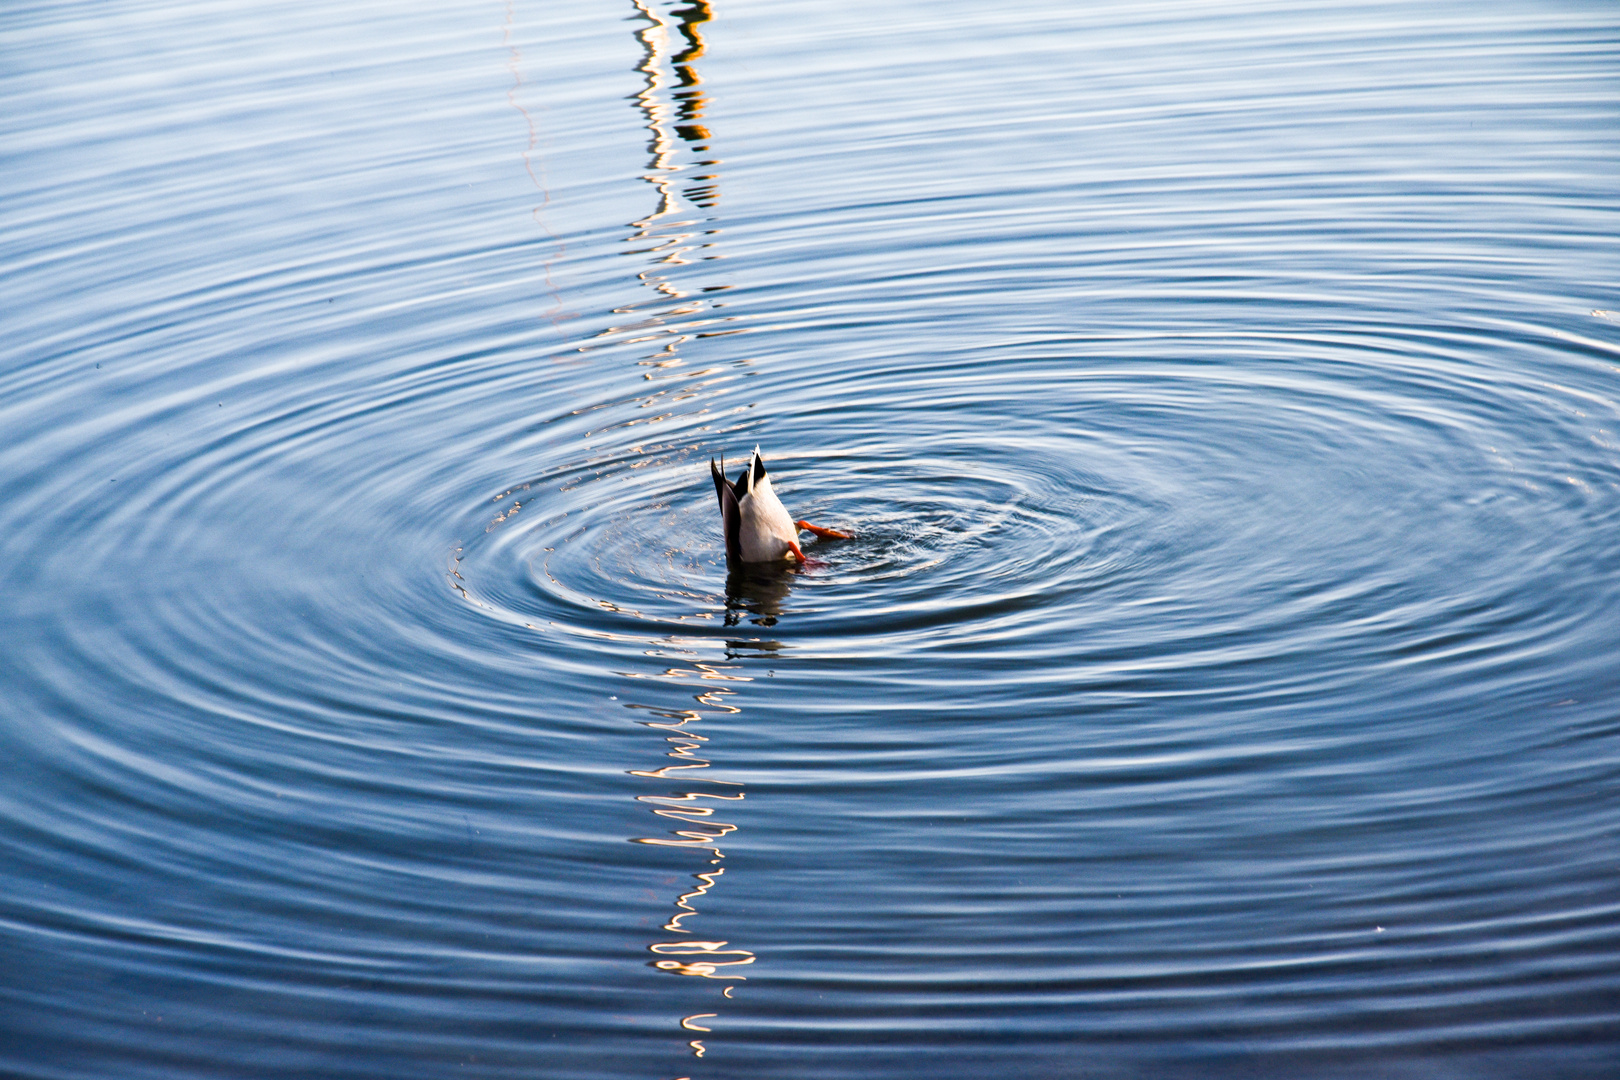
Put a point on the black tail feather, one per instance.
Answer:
(730, 514)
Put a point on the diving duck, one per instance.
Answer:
(758, 528)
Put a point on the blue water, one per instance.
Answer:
(1221, 682)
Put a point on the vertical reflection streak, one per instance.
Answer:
(678, 233)
(671, 103)
(672, 239)
(699, 828)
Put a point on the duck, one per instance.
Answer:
(758, 527)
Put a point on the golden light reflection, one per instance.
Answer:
(673, 103)
(680, 230)
(695, 815)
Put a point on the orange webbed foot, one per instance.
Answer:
(825, 534)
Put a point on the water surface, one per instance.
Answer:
(1221, 682)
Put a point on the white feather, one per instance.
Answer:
(767, 531)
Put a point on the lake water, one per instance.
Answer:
(1222, 679)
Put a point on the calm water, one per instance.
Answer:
(1222, 682)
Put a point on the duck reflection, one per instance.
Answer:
(755, 594)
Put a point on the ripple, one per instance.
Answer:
(1219, 678)
(1358, 486)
